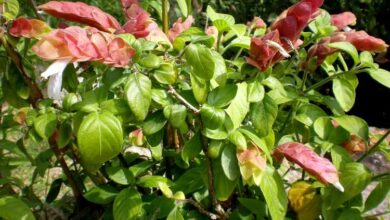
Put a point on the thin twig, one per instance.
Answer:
(200, 208)
(374, 148)
(165, 16)
(35, 9)
(173, 92)
(217, 207)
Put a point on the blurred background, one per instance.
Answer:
(373, 99)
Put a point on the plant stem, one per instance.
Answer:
(165, 16)
(35, 9)
(219, 41)
(35, 93)
(173, 92)
(200, 208)
(374, 148)
(380, 176)
(330, 78)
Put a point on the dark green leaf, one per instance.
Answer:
(377, 195)
(54, 190)
(200, 88)
(154, 123)
(175, 215)
(212, 118)
(354, 125)
(101, 195)
(201, 60)
(222, 96)
(192, 148)
(13, 208)
(263, 115)
(120, 175)
(229, 162)
(224, 187)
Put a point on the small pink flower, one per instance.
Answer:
(251, 160)
(257, 22)
(312, 163)
(344, 19)
(29, 28)
(179, 26)
(82, 13)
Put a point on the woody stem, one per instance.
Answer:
(165, 16)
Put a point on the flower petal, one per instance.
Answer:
(29, 28)
(55, 68)
(344, 19)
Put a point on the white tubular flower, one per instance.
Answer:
(54, 73)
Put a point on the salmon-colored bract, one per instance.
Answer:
(29, 28)
(82, 13)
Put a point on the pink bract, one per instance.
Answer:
(29, 28)
(344, 19)
(179, 26)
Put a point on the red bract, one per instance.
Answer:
(179, 26)
(362, 41)
(312, 163)
(138, 21)
(78, 44)
(321, 49)
(344, 19)
(291, 22)
(82, 13)
(23, 27)
(261, 53)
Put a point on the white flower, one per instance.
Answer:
(54, 73)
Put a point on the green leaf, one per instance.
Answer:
(229, 162)
(344, 93)
(201, 60)
(120, 175)
(200, 88)
(189, 181)
(183, 7)
(154, 123)
(240, 42)
(141, 168)
(326, 131)
(220, 75)
(54, 190)
(259, 208)
(260, 143)
(11, 9)
(350, 213)
(239, 107)
(256, 92)
(307, 114)
(65, 134)
(192, 148)
(224, 187)
(222, 96)
(101, 195)
(176, 115)
(165, 74)
(152, 181)
(238, 139)
(271, 185)
(354, 125)
(354, 178)
(100, 139)
(222, 22)
(212, 118)
(380, 75)
(340, 156)
(151, 61)
(348, 48)
(366, 59)
(377, 195)
(263, 115)
(138, 94)
(45, 125)
(175, 215)
(13, 208)
(128, 205)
